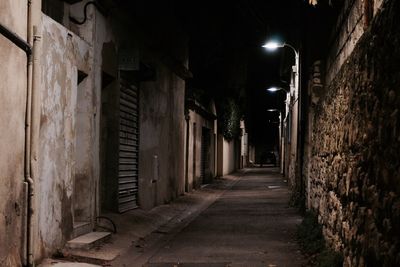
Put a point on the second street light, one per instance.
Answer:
(273, 45)
(292, 161)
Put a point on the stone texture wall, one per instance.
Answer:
(354, 174)
(350, 26)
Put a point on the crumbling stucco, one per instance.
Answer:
(64, 54)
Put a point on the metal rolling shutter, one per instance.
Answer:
(128, 148)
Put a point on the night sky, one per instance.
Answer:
(227, 59)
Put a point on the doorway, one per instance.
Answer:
(205, 171)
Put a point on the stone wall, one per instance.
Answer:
(354, 170)
(350, 26)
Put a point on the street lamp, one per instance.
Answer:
(293, 107)
(276, 89)
(273, 45)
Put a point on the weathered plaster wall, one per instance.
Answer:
(354, 169)
(194, 172)
(12, 137)
(162, 135)
(61, 121)
(105, 59)
(161, 101)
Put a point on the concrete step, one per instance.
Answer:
(59, 263)
(81, 228)
(89, 240)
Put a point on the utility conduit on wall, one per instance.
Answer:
(32, 126)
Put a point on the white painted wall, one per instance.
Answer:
(226, 156)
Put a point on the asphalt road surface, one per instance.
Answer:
(249, 224)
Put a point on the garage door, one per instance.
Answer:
(128, 148)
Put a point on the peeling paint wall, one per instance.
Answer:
(61, 122)
(13, 89)
(67, 190)
(161, 100)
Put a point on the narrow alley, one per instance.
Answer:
(199, 133)
(250, 224)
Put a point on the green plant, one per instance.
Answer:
(229, 118)
(329, 258)
(309, 234)
(312, 242)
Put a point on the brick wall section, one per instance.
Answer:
(355, 169)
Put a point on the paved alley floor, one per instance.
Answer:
(249, 224)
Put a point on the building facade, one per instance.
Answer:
(94, 126)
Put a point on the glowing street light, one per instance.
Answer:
(273, 89)
(292, 120)
(276, 89)
(272, 45)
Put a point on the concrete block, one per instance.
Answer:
(89, 240)
(57, 263)
(81, 228)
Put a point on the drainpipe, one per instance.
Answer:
(187, 118)
(32, 126)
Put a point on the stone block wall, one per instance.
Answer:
(351, 24)
(354, 168)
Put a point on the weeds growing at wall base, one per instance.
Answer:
(312, 243)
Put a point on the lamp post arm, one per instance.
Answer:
(296, 53)
(294, 49)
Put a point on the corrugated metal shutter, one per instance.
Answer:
(128, 148)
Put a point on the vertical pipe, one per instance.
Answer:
(28, 181)
(32, 126)
(187, 118)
